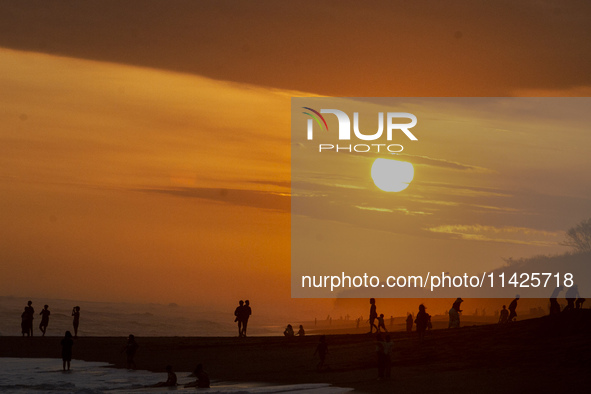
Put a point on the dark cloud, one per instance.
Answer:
(338, 48)
(248, 198)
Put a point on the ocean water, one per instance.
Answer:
(33, 375)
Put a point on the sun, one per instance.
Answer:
(392, 175)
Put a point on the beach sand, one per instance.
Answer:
(537, 355)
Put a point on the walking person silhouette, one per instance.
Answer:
(373, 315)
(512, 308)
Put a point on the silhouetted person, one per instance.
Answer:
(504, 315)
(76, 322)
(239, 313)
(422, 321)
(44, 319)
(384, 352)
(170, 381)
(322, 350)
(554, 305)
(391, 321)
(512, 308)
(579, 303)
(289, 331)
(381, 323)
(25, 318)
(571, 295)
(358, 321)
(202, 381)
(130, 350)
(373, 315)
(301, 332)
(30, 316)
(245, 316)
(409, 323)
(67, 344)
(454, 313)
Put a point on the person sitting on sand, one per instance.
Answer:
(170, 381)
(322, 350)
(202, 381)
(512, 308)
(130, 350)
(289, 331)
(504, 315)
(301, 332)
(409, 323)
(67, 344)
(44, 319)
(381, 324)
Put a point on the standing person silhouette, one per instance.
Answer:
(67, 344)
(76, 322)
(454, 313)
(554, 305)
(422, 321)
(239, 312)
(44, 319)
(409, 323)
(130, 349)
(373, 315)
(25, 322)
(322, 350)
(30, 316)
(504, 315)
(381, 323)
(512, 308)
(571, 295)
(246, 315)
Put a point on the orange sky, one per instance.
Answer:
(144, 153)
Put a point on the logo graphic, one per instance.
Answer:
(314, 116)
(389, 124)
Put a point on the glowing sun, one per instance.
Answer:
(392, 175)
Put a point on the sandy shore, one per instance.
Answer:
(537, 355)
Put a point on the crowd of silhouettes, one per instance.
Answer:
(28, 316)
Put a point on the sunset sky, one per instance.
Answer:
(145, 151)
